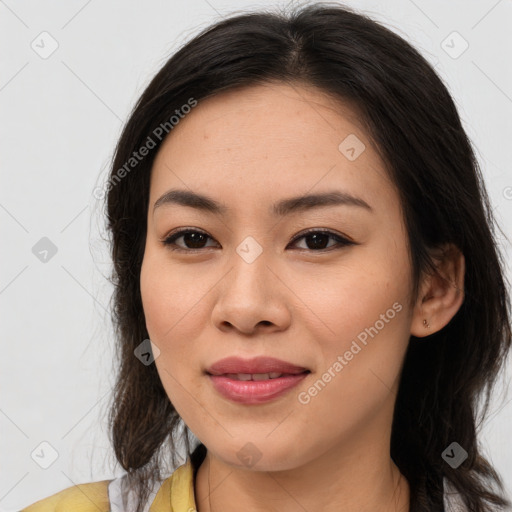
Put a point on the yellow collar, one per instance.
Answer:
(180, 488)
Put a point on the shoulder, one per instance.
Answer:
(116, 495)
(89, 497)
(176, 492)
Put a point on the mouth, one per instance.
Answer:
(254, 381)
(257, 376)
(258, 366)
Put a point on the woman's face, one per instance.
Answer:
(255, 284)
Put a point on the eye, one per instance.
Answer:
(194, 240)
(191, 237)
(318, 238)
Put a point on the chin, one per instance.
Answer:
(260, 453)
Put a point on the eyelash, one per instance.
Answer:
(342, 241)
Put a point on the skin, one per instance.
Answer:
(248, 149)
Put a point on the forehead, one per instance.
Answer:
(270, 140)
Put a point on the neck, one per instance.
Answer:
(362, 478)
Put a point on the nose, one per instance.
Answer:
(252, 297)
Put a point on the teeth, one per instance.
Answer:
(260, 376)
(254, 376)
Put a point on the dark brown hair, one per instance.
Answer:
(413, 123)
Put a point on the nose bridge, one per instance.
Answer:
(250, 272)
(250, 293)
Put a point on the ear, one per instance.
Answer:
(440, 294)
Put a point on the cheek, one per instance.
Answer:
(359, 366)
(361, 316)
(169, 313)
(168, 299)
(361, 335)
(174, 306)
(341, 303)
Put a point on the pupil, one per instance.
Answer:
(315, 238)
(194, 238)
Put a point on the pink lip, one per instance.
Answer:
(259, 364)
(254, 392)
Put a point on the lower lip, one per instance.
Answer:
(255, 391)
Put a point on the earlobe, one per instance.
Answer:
(441, 294)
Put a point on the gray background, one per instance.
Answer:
(61, 116)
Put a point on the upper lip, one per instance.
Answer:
(259, 364)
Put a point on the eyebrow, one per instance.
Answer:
(281, 208)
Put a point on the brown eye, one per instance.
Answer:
(317, 240)
(192, 239)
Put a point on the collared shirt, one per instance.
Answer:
(174, 494)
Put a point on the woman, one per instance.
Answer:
(300, 227)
